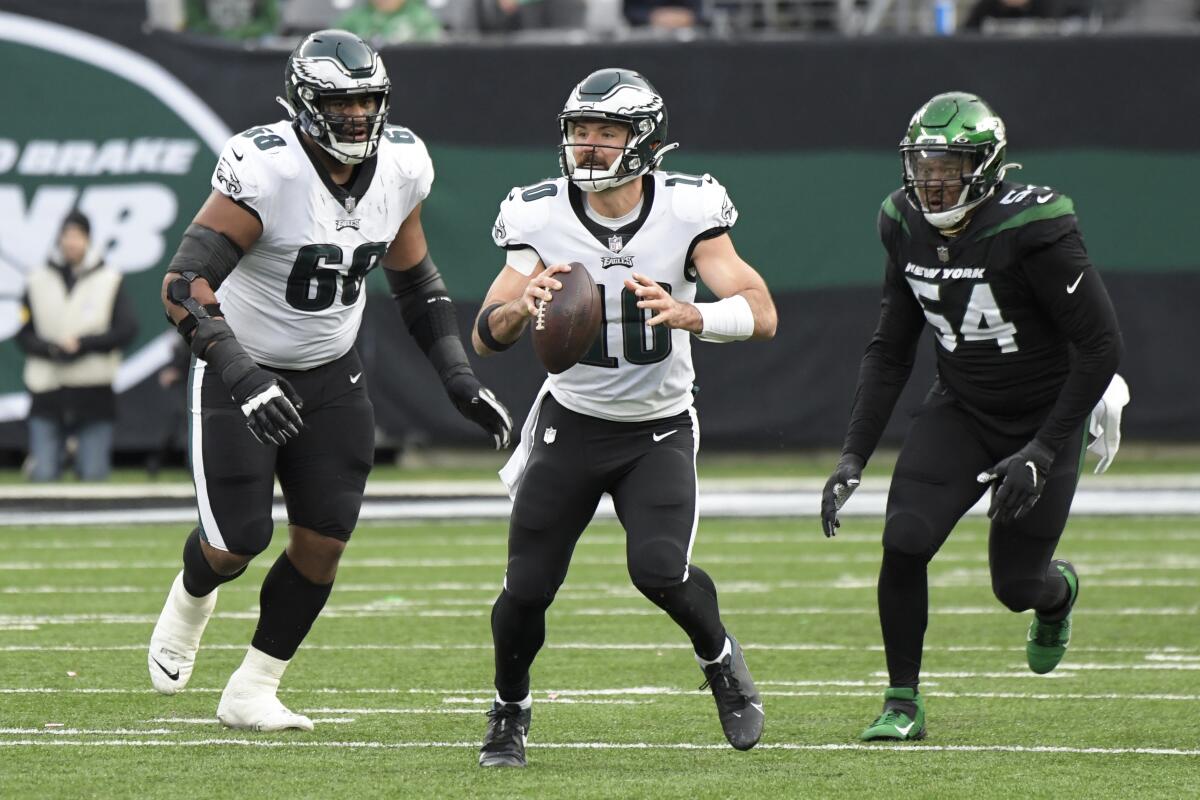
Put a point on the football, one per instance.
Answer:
(564, 328)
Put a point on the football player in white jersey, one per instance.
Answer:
(267, 289)
(621, 420)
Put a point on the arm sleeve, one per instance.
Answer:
(1085, 315)
(121, 331)
(886, 365)
(523, 259)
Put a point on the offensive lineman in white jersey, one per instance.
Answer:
(621, 420)
(300, 211)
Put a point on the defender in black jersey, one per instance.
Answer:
(1027, 342)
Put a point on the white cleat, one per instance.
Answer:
(249, 703)
(176, 637)
(251, 707)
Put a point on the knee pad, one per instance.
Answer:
(539, 602)
(1018, 595)
(657, 563)
(527, 586)
(909, 534)
(252, 536)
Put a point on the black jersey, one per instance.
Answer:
(1026, 337)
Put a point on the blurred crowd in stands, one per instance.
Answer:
(389, 22)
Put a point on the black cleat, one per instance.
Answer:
(738, 704)
(504, 742)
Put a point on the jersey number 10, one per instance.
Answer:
(638, 349)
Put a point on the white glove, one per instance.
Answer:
(1105, 424)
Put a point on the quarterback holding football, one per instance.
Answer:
(620, 421)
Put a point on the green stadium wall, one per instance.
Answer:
(803, 135)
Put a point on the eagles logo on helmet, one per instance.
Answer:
(615, 95)
(336, 64)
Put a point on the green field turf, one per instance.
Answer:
(397, 673)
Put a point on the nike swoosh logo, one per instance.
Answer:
(1032, 469)
(904, 731)
(1042, 198)
(354, 378)
(172, 675)
(736, 714)
(235, 154)
(759, 707)
(658, 437)
(1071, 289)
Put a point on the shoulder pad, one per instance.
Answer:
(525, 211)
(1026, 205)
(698, 200)
(255, 161)
(408, 153)
(891, 216)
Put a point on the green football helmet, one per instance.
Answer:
(622, 96)
(953, 157)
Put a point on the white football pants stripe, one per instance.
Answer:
(208, 522)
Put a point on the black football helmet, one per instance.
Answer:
(624, 96)
(330, 64)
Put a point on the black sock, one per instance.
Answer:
(693, 606)
(199, 578)
(289, 604)
(1055, 602)
(518, 633)
(903, 615)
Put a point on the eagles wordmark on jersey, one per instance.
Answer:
(295, 300)
(633, 371)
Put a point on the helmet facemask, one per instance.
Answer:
(583, 163)
(946, 183)
(349, 139)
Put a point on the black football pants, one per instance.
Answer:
(649, 468)
(934, 484)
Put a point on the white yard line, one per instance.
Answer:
(478, 694)
(430, 711)
(1165, 652)
(887, 750)
(1168, 561)
(84, 731)
(600, 591)
(215, 721)
(409, 610)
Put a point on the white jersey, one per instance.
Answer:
(633, 372)
(295, 300)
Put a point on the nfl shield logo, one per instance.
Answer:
(616, 242)
(349, 202)
(549, 436)
(943, 253)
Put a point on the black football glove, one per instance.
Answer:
(1021, 477)
(268, 401)
(841, 484)
(271, 409)
(478, 404)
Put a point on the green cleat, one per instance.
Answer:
(1047, 642)
(903, 717)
